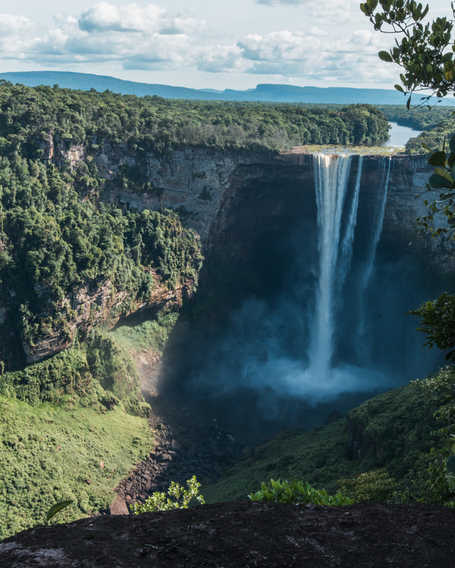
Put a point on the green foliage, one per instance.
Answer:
(97, 373)
(148, 335)
(374, 486)
(177, 497)
(28, 116)
(57, 249)
(49, 454)
(401, 439)
(423, 49)
(438, 323)
(297, 492)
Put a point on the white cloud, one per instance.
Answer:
(278, 2)
(10, 24)
(219, 58)
(148, 37)
(105, 17)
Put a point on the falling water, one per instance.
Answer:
(348, 240)
(381, 204)
(335, 245)
(331, 183)
(371, 257)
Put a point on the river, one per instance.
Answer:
(399, 135)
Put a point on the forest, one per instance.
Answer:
(28, 115)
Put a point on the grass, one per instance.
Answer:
(49, 454)
(147, 335)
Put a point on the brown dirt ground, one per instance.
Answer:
(246, 535)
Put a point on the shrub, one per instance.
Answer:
(370, 487)
(297, 492)
(177, 497)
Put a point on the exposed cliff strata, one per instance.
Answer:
(87, 308)
(200, 183)
(406, 202)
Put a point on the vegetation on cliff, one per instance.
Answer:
(63, 253)
(393, 448)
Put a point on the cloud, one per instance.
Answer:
(148, 37)
(219, 58)
(10, 24)
(278, 2)
(105, 17)
(339, 10)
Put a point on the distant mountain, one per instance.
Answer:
(263, 92)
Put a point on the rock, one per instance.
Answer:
(118, 507)
(233, 535)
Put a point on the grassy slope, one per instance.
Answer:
(49, 454)
(403, 433)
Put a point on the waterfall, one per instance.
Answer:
(367, 272)
(348, 240)
(381, 204)
(335, 247)
(331, 183)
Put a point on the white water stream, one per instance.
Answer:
(335, 246)
(331, 175)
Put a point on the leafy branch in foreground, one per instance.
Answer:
(424, 50)
(177, 497)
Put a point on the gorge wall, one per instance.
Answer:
(202, 183)
(257, 218)
(251, 310)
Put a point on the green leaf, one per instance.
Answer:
(57, 508)
(385, 56)
(399, 88)
(437, 159)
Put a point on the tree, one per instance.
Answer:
(425, 51)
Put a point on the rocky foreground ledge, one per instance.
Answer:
(244, 535)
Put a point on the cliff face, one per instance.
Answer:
(202, 184)
(232, 198)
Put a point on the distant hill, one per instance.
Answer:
(263, 92)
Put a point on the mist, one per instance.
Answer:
(315, 339)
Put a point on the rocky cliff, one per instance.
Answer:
(231, 199)
(202, 183)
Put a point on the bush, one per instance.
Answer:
(297, 492)
(177, 497)
(370, 487)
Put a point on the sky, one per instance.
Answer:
(200, 43)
